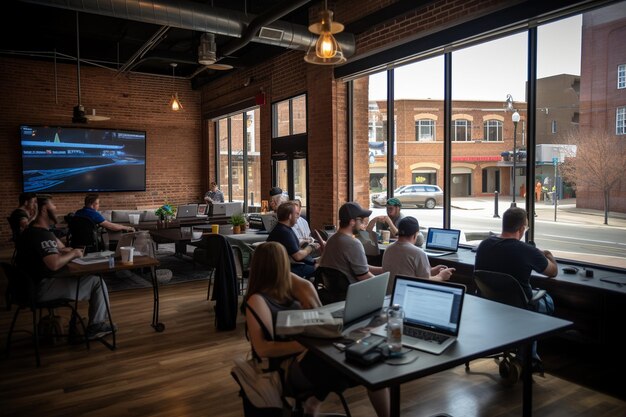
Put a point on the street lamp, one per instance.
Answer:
(515, 118)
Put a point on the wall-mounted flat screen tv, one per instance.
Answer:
(75, 159)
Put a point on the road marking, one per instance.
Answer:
(586, 240)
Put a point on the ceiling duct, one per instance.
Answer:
(207, 54)
(199, 17)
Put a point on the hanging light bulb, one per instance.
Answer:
(175, 103)
(326, 50)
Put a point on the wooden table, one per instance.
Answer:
(76, 270)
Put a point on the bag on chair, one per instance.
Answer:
(261, 391)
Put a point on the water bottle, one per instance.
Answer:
(395, 319)
(111, 262)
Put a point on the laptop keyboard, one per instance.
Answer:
(424, 335)
(338, 314)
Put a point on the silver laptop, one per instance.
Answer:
(363, 298)
(269, 222)
(440, 242)
(432, 312)
(186, 211)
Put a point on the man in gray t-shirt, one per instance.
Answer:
(343, 251)
(404, 258)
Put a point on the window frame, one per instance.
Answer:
(289, 102)
(419, 124)
(621, 76)
(499, 126)
(467, 127)
(620, 121)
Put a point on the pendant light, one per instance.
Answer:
(175, 104)
(326, 50)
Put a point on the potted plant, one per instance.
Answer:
(239, 223)
(166, 212)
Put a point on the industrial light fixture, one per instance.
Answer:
(175, 104)
(326, 50)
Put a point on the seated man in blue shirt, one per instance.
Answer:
(302, 263)
(90, 211)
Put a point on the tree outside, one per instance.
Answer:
(596, 162)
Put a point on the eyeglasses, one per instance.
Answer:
(359, 219)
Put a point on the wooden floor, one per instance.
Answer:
(184, 372)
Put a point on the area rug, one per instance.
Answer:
(182, 271)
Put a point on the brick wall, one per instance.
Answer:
(134, 102)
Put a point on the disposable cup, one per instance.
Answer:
(127, 253)
(215, 228)
(386, 235)
(133, 218)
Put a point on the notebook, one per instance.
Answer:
(440, 242)
(186, 211)
(432, 312)
(363, 298)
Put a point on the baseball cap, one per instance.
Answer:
(394, 202)
(275, 191)
(351, 211)
(408, 226)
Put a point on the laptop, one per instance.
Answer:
(269, 222)
(432, 312)
(362, 298)
(186, 211)
(440, 242)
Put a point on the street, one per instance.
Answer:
(577, 234)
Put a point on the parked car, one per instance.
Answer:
(420, 195)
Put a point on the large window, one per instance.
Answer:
(424, 130)
(462, 130)
(492, 130)
(490, 140)
(620, 121)
(289, 117)
(239, 161)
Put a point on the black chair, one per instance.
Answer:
(24, 296)
(242, 274)
(84, 232)
(504, 288)
(331, 284)
(207, 255)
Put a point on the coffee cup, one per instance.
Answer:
(127, 253)
(386, 234)
(133, 218)
(215, 228)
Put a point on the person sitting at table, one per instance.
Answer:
(276, 198)
(214, 195)
(508, 254)
(301, 228)
(90, 211)
(41, 254)
(272, 288)
(302, 263)
(390, 221)
(23, 215)
(405, 258)
(343, 251)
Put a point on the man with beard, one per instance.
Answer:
(41, 254)
(343, 251)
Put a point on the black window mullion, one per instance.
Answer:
(230, 161)
(531, 121)
(447, 140)
(245, 161)
(390, 133)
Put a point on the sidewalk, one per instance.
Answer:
(566, 210)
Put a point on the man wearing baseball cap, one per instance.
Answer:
(390, 221)
(343, 251)
(405, 258)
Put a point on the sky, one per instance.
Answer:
(491, 70)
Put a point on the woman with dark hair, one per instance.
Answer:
(272, 288)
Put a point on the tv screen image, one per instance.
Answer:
(74, 159)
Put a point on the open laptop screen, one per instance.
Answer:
(443, 239)
(432, 305)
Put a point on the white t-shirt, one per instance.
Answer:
(301, 229)
(404, 258)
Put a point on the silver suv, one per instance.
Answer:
(420, 195)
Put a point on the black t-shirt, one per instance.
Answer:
(14, 221)
(34, 244)
(512, 257)
(286, 237)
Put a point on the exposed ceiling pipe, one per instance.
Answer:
(198, 17)
(258, 22)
